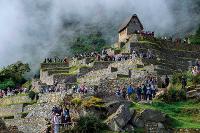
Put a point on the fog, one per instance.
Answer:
(31, 29)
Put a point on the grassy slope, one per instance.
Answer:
(185, 114)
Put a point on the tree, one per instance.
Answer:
(88, 43)
(7, 83)
(13, 73)
(198, 32)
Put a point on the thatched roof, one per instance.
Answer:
(127, 21)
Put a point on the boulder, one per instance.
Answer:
(129, 128)
(138, 122)
(119, 119)
(153, 115)
(111, 107)
(148, 115)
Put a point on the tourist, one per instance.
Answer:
(153, 90)
(122, 91)
(166, 81)
(56, 123)
(139, 92)
(118, 92)
(1, 94)
(183, 82)
(148, 92)
(195, 71)
(55, 109)
(134, 55)
(66, 116)
(130, 91)
(141, 55)
(143, 92)
(197, 63)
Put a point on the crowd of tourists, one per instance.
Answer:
(59, 117)
(143, 91)
(12, 91)
(52, 88)
(105, 56)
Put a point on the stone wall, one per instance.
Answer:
(37, 85)
(50, 79)
(53, 65)
(81, 62)
(96, 66)
(123, 35)
(46, 78)
(11, 110)
(111, 84)
(15, 100)
(38, 114)
(28, 125)
(122, 67)
(3, 128)
(51, 97)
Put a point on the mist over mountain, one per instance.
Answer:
(34, 29)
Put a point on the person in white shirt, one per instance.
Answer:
(56, 122)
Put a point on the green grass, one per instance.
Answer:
(147, 42)
(184, 114)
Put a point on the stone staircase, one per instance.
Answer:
(39, 114)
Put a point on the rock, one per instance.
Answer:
(129, 128)
(70, 92)
(148, 115)
(99, 112)
(161, 126)
(119, 119)
(153, 115)
(138, 122)
(112, 106)
(3, 128)
(14, 129)
(191, 94)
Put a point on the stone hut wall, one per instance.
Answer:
(123, 35)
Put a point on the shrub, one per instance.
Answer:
(76, 101)
(176, 78)
(196, 79)
(32, 95)
(92, 101)
(173, 95)
(90, 124)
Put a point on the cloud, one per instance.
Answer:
(31, 29)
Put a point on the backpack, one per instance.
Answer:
(130, 90)
(66, 113)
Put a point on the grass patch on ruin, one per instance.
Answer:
(147, 42)
(88, 102)
(184, 114)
